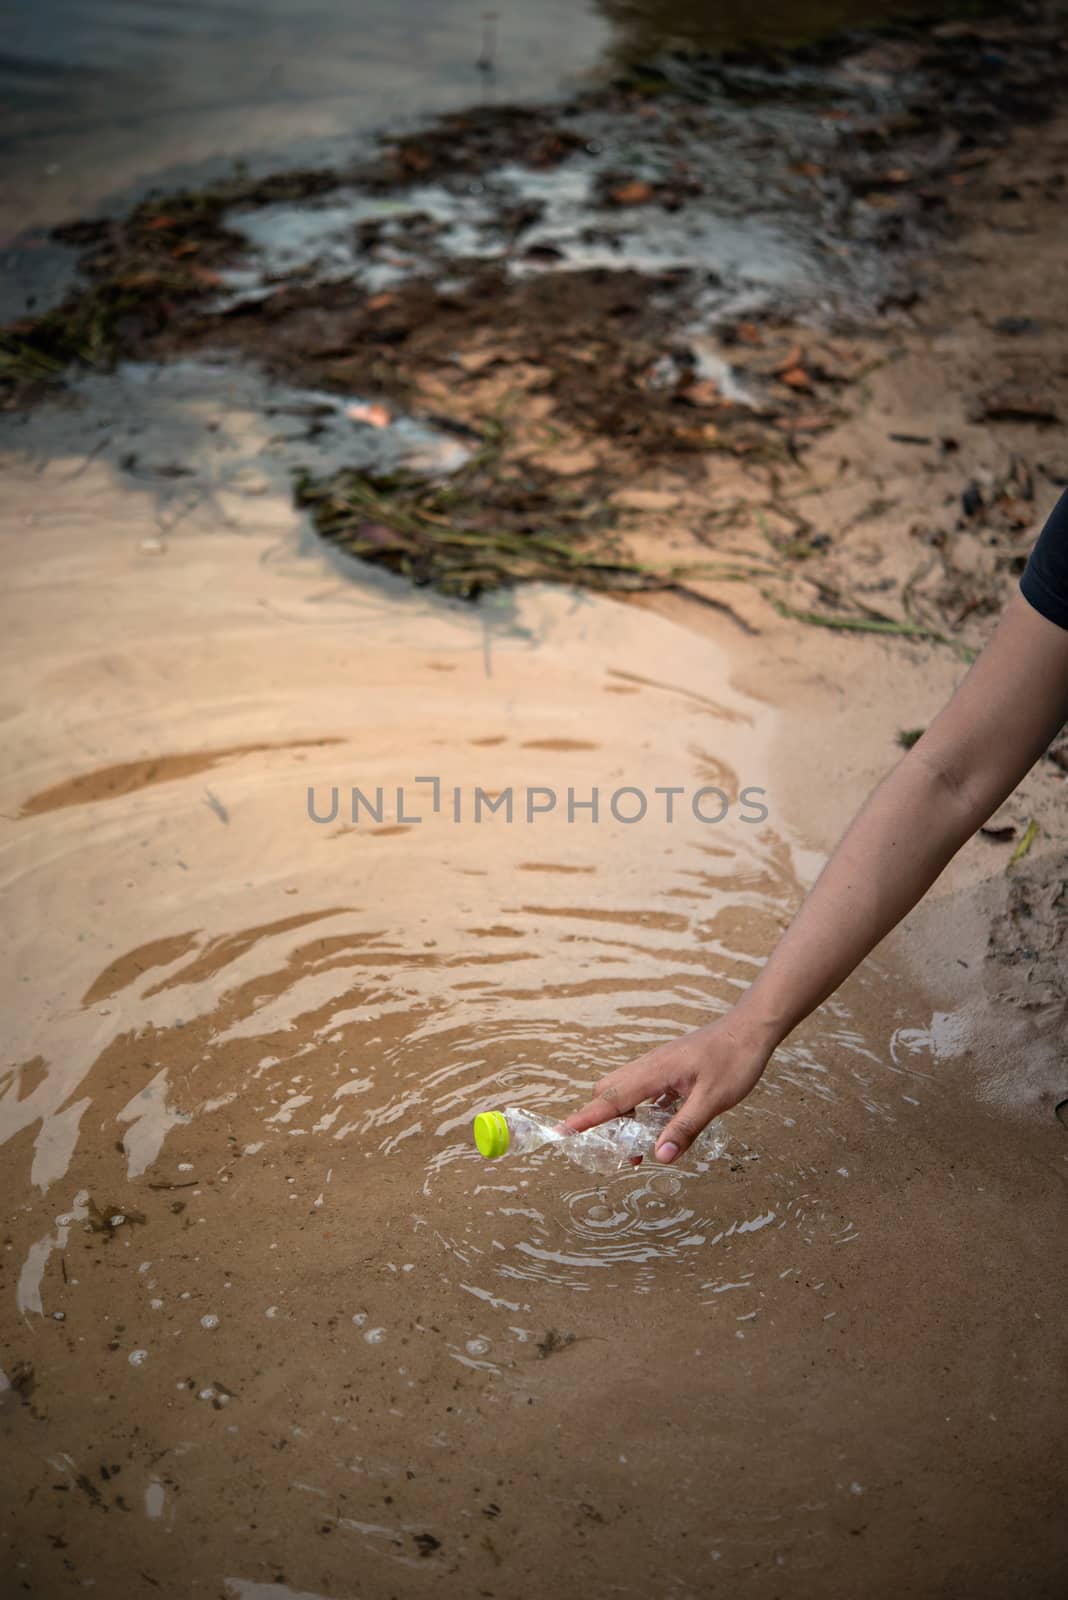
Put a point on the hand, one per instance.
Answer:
(710, 1069)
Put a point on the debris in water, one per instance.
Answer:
(553, 1342)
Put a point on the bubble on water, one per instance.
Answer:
(360, 1318)
(272, 1311)
(185, 1166)
(207, 1394)
(375, 1335)
(156, 1305)
(477, 1347)
(137, 1358)
(209, 1320)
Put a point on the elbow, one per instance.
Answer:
(944, 774)
(956, 788)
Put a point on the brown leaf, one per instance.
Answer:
(796, 377)
(160, 221)
(411, 158)
(634, 193)
(1016, 512)
(705, 393)
(205, 275)
(380, 302)
(375, 415)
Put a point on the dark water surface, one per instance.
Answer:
(97, 96)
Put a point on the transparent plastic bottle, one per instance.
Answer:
(610, 1147)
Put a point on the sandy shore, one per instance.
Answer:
(269, 1324)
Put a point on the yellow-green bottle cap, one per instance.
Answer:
(491, 1133)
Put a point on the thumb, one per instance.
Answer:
(691, 1119)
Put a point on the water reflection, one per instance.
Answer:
(641, 28)
(278, 1060)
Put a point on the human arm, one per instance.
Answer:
(1001, 718)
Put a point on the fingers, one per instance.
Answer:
(614, 1096)
(695, 1114)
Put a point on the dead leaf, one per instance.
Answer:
(374, 415)
(206, 276)
(159, 222)
(379, 302)
(1015, 512)
(705, 393)
(796, 377)
(475, 360)
(634, 193)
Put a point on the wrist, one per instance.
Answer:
(753, 1026)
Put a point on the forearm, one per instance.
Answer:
(995, 727)
(1005, 713)
(906, 833)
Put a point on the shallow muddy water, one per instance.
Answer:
(268, 1319)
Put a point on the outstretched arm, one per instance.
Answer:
(999, 721)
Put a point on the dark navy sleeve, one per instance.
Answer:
(1045, 578)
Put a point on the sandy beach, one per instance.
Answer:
(269, 1325)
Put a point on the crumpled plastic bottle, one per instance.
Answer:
(610, 1147)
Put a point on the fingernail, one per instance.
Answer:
(667, 1151)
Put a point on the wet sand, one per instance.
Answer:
(830, 1364)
